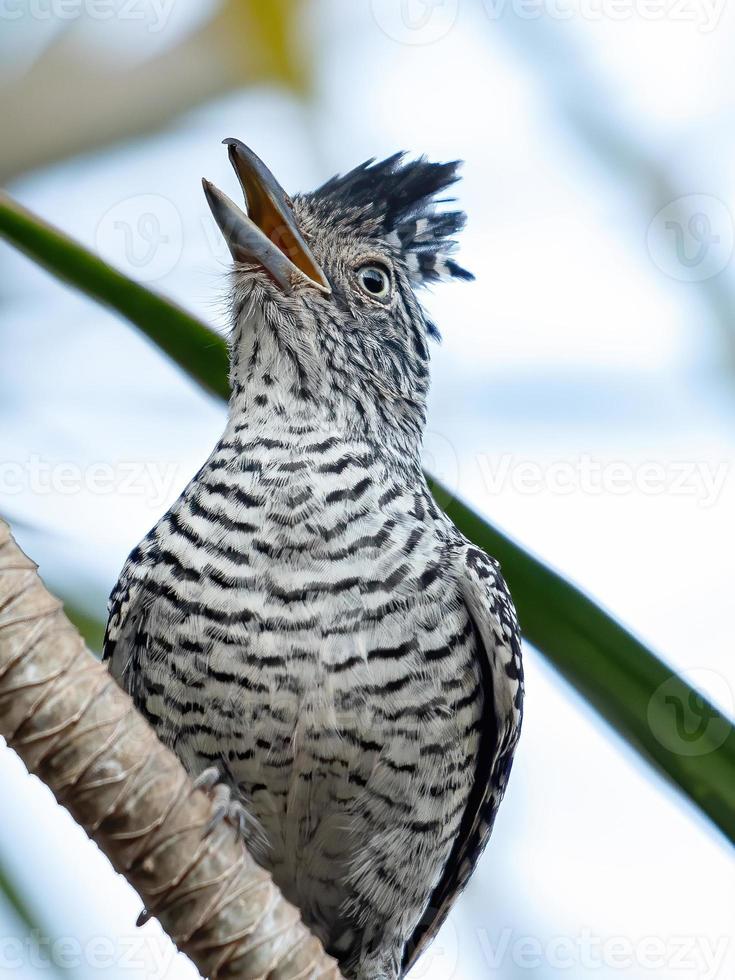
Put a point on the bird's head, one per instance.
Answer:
(324, 287)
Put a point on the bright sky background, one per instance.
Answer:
(584, 399)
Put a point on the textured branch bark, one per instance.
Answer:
(79, 733)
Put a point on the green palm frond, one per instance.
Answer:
(10, 891)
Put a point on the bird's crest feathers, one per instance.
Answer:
(398, 199)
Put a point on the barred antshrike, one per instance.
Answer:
(307, 630)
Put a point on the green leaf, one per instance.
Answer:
(27, 917)
(665, 719)
(16, 901)
(91, 628)
(198, 350)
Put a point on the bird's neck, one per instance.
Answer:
(265, 407)
(280, 387)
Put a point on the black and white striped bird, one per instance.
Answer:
(305, 628)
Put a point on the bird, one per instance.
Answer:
(309, 632)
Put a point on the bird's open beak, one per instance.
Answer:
(268, 233)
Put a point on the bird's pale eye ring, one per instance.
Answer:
(375, 281)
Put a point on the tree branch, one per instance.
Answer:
(81, 735)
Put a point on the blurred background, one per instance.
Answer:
(583, 398)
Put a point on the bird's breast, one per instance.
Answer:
(306, 636)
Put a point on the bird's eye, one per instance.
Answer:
(374, 280)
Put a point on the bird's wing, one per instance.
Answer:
(125, 623)
(499, 646)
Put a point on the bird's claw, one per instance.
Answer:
(225, 807)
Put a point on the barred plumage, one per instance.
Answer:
(304, 617)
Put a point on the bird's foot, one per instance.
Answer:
(225, 806)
